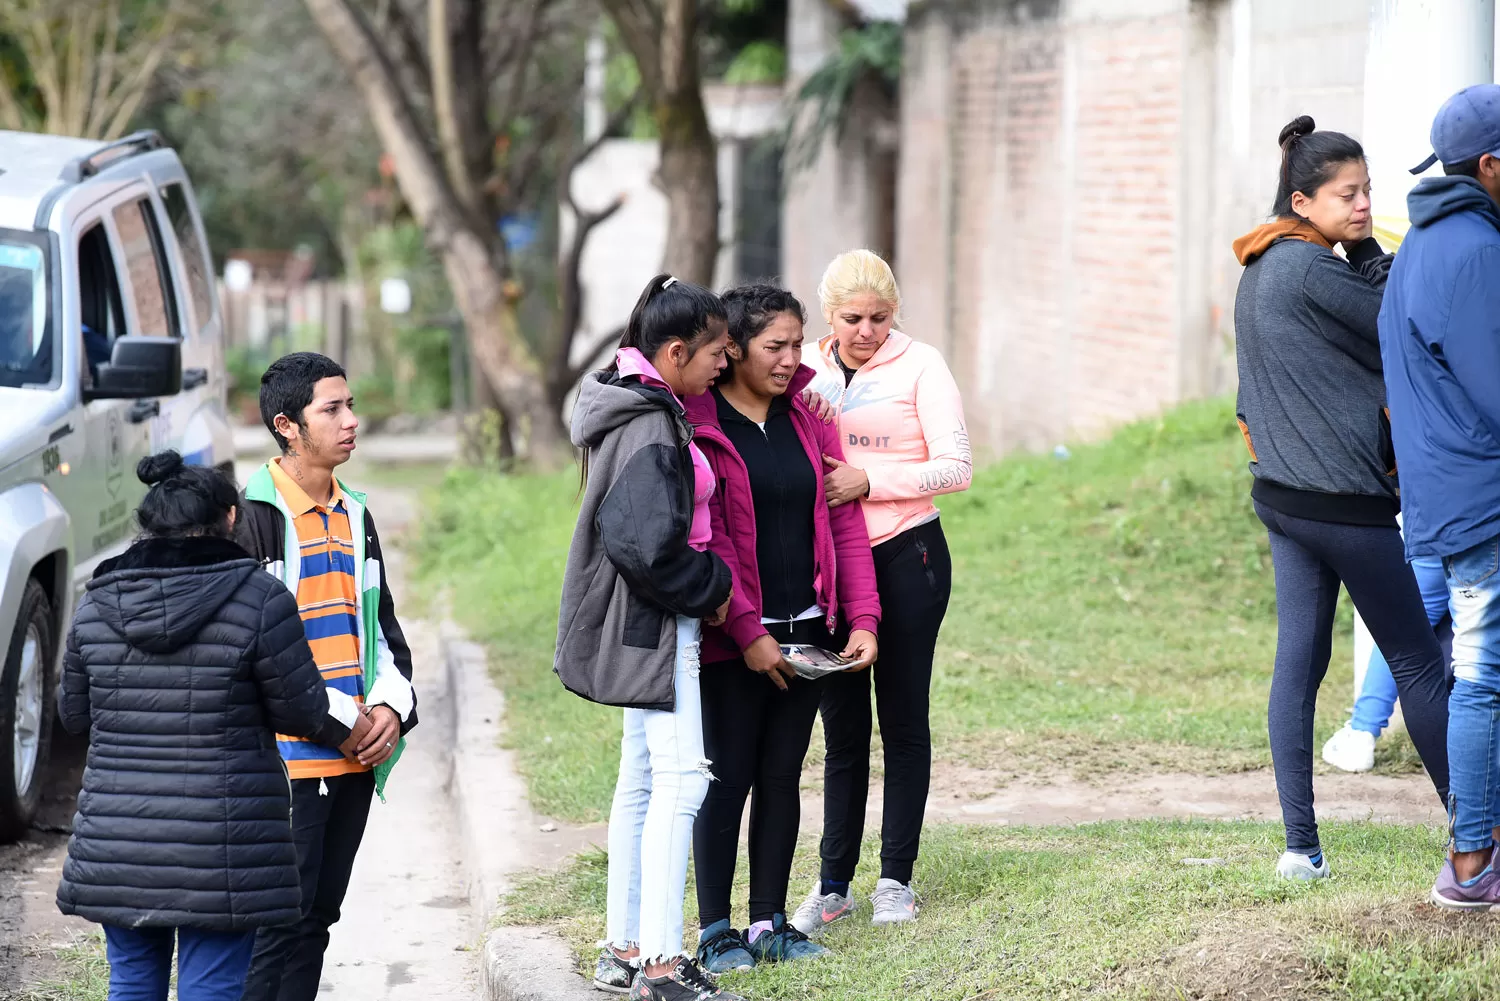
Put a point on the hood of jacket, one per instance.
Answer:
(606, 402)
(1435, 198)
(1256, 242)
(160, 593)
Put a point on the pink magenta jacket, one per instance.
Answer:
(844, 570)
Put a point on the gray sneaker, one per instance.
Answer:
(613, 974)
(820, 910)
(894, 902)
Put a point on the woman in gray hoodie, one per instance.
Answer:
(1312, 410)
(639, 583)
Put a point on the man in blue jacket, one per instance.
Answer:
(1440, 344)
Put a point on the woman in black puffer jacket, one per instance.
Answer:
(183, 661)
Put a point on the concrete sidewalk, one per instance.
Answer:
(456, 829)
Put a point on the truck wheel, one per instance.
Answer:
(26, 701)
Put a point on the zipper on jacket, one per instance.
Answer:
(765, 433)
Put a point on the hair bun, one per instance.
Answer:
(153, 469)
(1302, 125)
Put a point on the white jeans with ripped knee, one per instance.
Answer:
(663, 780)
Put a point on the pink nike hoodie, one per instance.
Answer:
(902, 421)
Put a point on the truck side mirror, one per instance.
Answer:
(140, 368)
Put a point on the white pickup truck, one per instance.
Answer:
(110, 348)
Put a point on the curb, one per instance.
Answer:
(517, 963)
(527, 964)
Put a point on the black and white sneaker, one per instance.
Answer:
(686, 982)
(612, 973)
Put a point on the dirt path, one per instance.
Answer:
(31, 927)
(973, 796)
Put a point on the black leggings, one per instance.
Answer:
(1311, 558)
(756, 735)
(915, 576)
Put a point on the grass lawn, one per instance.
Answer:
(1112, 911)
(1113, 611)
(82, 974)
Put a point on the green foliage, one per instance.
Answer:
(622, 84)
(413, 373)
(245, 365)
(758, 62)
(871, 52)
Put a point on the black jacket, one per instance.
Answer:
(630, 570)
(261, 530)
(183, 661)
(785, 489)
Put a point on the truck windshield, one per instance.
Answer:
(27, 347)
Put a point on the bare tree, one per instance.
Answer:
(662, 35)
(90, 63)
(474, 103)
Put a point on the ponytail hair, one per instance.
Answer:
(671, 310)
(183, 500)
(668, 310)
(1309, 160)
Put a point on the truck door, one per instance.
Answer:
(200, 429)
(100, 490)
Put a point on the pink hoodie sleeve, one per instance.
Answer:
(859, 597)
(741, 624)
(950, 463)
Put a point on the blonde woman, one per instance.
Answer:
(901, 423)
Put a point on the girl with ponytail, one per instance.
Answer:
(640, 582)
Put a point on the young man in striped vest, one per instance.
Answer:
(316, 535)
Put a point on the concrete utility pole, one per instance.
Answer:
(1420, 53)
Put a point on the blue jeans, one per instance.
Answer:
(664, 777)
(1377, 697)
(1474, 706)
(211, 966)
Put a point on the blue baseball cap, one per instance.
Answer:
(1466, 127)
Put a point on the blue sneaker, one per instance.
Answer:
(722, 949)
(784, 944)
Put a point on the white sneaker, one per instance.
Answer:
(1294, 865)
(894, 902)
(820, 910)
(1350, 750)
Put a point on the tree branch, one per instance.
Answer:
(600, 345)
(132, 91)
(104, 78)
(614, 123)
(407, 52)
(444, 106)
(418, 173)
(640, 26)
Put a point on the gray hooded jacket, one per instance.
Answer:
(630, 569)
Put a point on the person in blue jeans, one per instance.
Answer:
(1352, 748)
(1440, 347)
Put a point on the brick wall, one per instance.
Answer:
(1072, 174)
